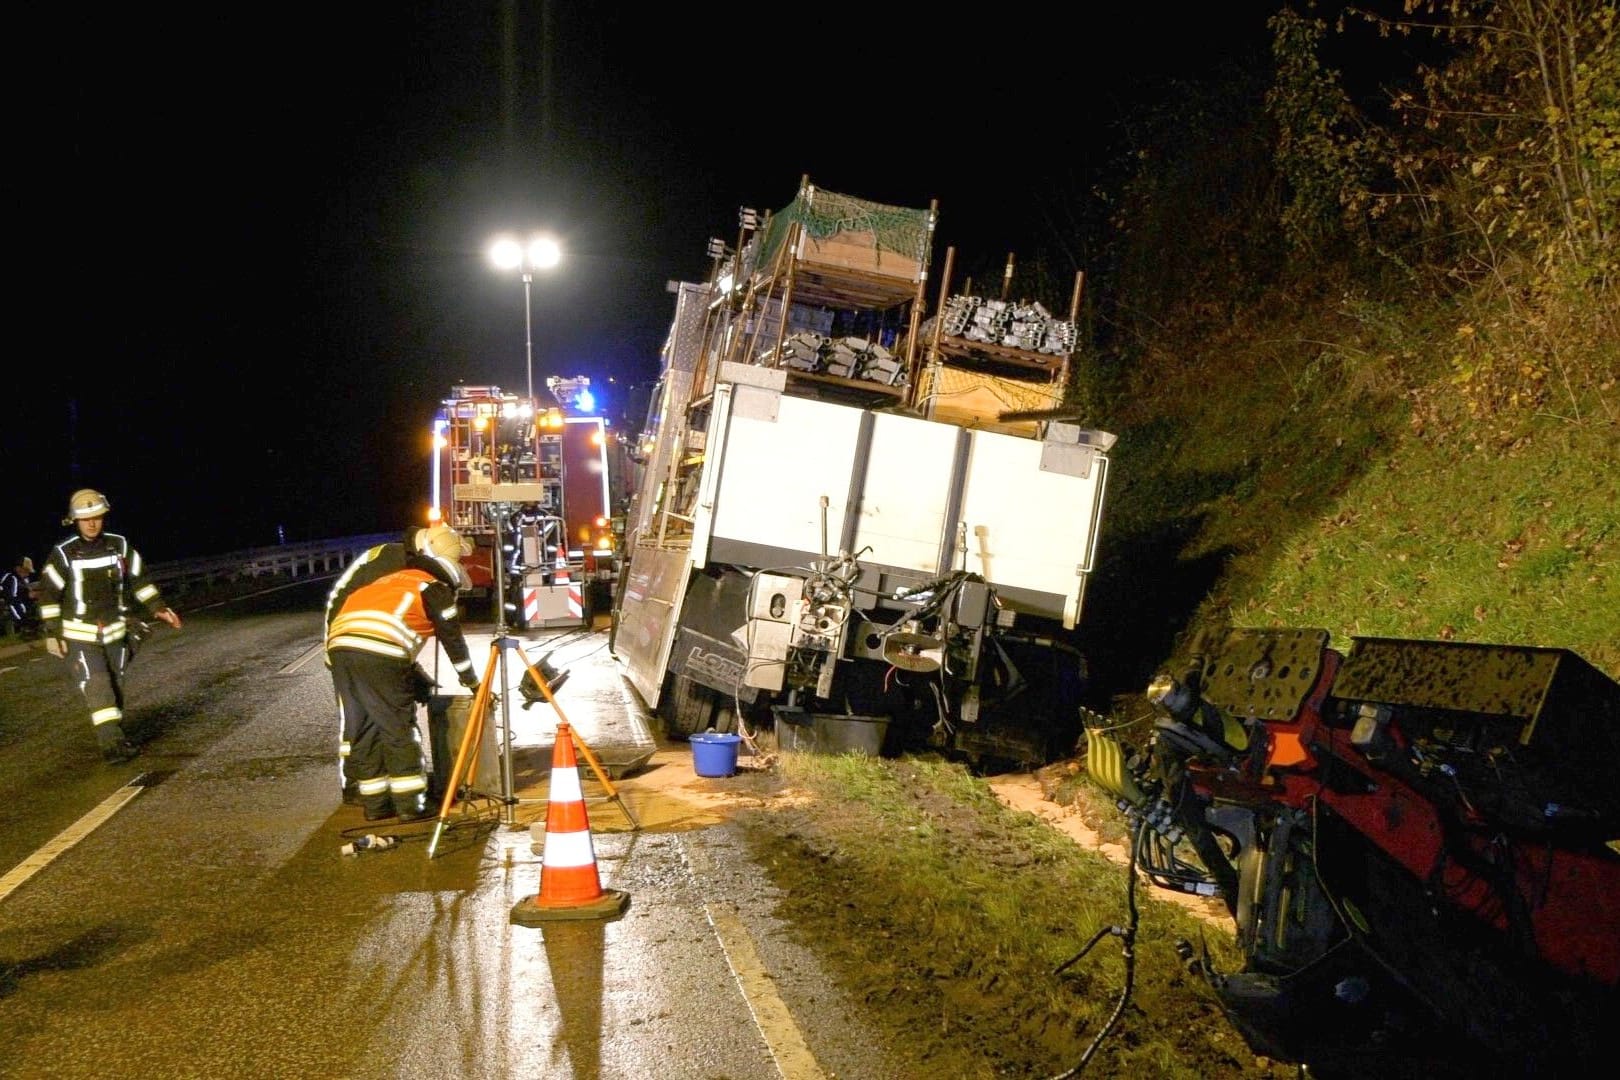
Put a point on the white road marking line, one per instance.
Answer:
(314, 651)
(782, 1036)
(771, 1015)
(80, 829)
(3, 670)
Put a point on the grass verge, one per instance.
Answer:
(946, 914)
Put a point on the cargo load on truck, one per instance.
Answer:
(820, 545)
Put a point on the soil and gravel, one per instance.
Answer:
(954, 1007)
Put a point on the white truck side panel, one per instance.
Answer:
(781, 454)
(906, 493)
(1026, 526)
(649, 612)
(771, 457)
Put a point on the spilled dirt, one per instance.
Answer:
(951, 1015)
(1027, 792)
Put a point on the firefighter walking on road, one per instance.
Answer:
(371, 646)
(93, 586)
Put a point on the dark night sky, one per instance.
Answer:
(256, 235)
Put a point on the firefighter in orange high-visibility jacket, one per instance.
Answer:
(92, 593)
(376, 561)
(371, 646)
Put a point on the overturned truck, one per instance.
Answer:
(1417, 841)
(853, 525)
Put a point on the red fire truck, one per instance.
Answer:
(542, 478)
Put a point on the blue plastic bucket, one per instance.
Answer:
(714, 754)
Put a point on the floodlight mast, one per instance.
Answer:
(541, 253)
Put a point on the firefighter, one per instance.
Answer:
(371, 564)
(17, 606)
(371, 646)
(92, 588)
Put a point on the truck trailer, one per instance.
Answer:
(821, 543)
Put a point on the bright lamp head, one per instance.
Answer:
(506, 253)
(544, 253)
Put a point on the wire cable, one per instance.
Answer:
(1127, 940)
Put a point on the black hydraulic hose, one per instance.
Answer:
(1127, 940)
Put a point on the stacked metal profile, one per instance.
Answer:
(1029, 327)
(845, 357)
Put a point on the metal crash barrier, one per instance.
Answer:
(311, 558)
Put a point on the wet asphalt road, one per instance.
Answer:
(210, 927)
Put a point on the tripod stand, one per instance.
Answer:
(464, 773)
(465, 768)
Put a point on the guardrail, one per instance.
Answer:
(293, 560)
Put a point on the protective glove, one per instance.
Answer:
(469, 680)
(422, 685)
(56, 647)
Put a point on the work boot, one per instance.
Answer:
(119, 752)
(115, 745)
(378, 813)
(411, 809)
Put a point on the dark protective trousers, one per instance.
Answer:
(99, 671)
(378, 698)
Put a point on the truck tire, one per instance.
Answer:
(687, 707)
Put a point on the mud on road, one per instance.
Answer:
(953, 1013)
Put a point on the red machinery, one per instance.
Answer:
(1415, 840)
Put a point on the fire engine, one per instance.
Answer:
(538, 482)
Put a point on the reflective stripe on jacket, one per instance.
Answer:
(375, 562)
(89, 586)
(396, 614)
(386, 616)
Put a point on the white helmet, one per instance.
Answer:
(447, 547)
(86, 503)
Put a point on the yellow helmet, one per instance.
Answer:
(443, 542)
(447, 547)
(86, 503)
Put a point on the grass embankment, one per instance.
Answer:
(1324, 468)
(946, 915)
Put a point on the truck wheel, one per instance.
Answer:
(687, 707)
(725, 719)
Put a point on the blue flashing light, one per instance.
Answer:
(585, 401)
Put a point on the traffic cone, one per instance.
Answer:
(570, 887)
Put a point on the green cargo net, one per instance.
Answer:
(824, 213)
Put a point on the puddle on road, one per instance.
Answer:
(665, 795)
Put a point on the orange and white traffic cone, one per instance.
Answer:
(570, 887)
